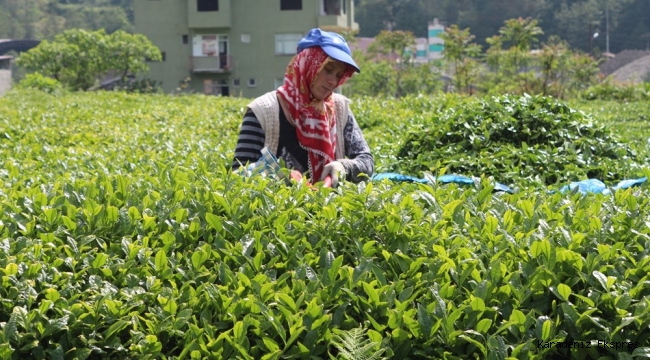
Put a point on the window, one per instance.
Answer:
(290, 4)
(207, 5)
(235, 82)
(210, 45)
(252, 82)
(331, 7)
(186, 40)
(287, 44)
(216, 87)
(246, 38)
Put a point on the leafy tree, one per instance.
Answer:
(408, 78)
(393, 43)
(129, 52)
(461, 52)
(78, 58)
(376, 79)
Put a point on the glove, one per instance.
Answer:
(336, 170)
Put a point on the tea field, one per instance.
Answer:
(124, 235)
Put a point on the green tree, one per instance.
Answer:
(79, 58)
(395, 44)
(461, 52)
(129, 52)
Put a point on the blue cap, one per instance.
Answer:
(332, 43)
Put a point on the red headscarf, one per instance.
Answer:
(315, 121)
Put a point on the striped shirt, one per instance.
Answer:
(251, 141)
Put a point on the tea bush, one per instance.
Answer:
(124, 236)
(517, 140)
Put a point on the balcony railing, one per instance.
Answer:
(211, 64)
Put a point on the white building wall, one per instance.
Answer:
(5, 81)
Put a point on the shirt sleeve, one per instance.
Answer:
(250, 141)
(359, 159)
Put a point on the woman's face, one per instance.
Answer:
(327, 79)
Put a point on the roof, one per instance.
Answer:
(636, 71)
(621, 59)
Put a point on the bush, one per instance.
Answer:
(609, 90)
(39, 82)
(517, 140)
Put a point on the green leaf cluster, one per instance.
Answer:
(518, 140)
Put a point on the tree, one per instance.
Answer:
(400, 48)
(129, 52)
(392, 43)
(461, 52)
(79, 58)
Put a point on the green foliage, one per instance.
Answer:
(40, 82)
(124, 236)
(43, 19)
(461, 53)
(517, 140)
(78, 58)
(394, 44)
(389, 70)
(377, 79)
(609, 90)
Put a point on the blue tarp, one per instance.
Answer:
(589, 186)
(444, 179)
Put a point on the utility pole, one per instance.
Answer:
(607, 25)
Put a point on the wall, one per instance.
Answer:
(164, 22)
(5, 81)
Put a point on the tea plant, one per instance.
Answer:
(123, 235)
(518, 140)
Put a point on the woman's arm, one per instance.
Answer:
(250, 141)
(359, 159)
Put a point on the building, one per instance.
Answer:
(232, 47)
(426, 49)
(5, 74)
(436, 44)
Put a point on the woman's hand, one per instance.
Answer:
(336, 170)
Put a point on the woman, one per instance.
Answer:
(304, 122)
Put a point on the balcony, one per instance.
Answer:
(333, 21)
(211, 64)
(333, 14)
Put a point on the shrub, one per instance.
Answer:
(609, 90)
(40, 82)
(517, 140)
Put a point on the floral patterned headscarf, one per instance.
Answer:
(315, 120)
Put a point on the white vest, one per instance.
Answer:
(267, 110)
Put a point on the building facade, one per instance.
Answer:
(232, 47)
(436, 44)
(5, 74)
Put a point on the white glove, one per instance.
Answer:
(336, 170)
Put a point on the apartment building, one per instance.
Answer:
(232, 47)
